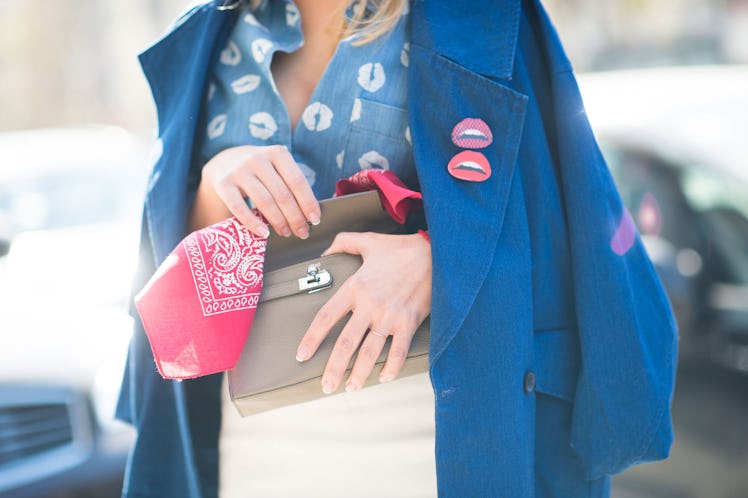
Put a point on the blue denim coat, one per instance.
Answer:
(553, 347)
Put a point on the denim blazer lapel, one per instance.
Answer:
(464, 218)
(480, 35)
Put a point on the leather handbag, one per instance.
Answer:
(297, 282)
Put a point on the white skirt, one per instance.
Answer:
(377, 442)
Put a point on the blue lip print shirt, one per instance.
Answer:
(356, 117)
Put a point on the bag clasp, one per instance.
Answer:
(316, 279)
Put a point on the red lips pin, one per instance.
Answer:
(472, 133)
(469, 165)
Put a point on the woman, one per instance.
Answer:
(552, 343)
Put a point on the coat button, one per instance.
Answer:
(529, 382)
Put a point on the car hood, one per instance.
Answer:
(63, 300)
(70, 270)
(58, 350)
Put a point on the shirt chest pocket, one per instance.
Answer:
(377, 138)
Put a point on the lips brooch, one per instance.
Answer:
(469, 165)
(472, 133)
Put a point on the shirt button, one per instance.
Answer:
(529, 382)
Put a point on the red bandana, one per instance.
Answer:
(197, 309)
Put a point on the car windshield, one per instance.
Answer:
(723, 203)
(690, 205)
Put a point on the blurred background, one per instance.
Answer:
(665, 84)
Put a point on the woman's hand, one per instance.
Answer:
(389, 295)
(266, 174)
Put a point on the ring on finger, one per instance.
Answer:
(378, 334)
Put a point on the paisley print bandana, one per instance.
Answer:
(198, 306)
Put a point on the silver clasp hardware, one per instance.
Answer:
(316, 279)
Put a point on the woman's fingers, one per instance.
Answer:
(282, 199)
(297, 183)
(348, 242)
(397, 355)
(234, 201)
(393, 287)
(272, 179)
(342, 352)
(366, 359)
(265, 203)
(328, 315)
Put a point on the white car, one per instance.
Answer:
(70, 207)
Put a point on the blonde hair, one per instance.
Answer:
(385, 15)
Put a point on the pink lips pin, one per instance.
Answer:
(469, 165)
(472, 133)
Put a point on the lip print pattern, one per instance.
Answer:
(356, 111)
(470, 165)
(371, 76)
(472, 133)
(211, 91)
(217, 126)
(292, 14)
(252, 21)
(405, 54)
(260, 49)
(262, 125)
(373, 160)
(231, 56)
(245, 84)
(339, 159)
(317, 117)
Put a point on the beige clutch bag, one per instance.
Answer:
(297, 282)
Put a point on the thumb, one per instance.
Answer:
(348, 242)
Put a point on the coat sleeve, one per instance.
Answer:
(627, 332)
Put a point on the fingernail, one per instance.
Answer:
(314, 219)
(384, 378)
(264, 232)
(304, 233)
(286, 232)
(327, 387)
(350, 388)
(302, 354)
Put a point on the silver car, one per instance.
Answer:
(70, 204)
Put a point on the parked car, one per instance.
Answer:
(675, 142)
(70, 204)
(674, 139)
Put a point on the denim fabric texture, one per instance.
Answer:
(553, 346)
(356, 117)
